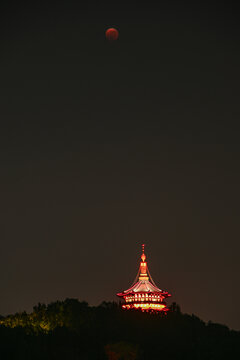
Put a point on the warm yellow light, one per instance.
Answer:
(145, 306)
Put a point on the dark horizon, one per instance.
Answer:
(105, 146)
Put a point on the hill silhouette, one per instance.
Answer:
(74, 330)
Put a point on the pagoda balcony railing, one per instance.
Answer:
(141, 301)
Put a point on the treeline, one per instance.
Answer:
(74, 330)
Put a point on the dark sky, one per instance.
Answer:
(108, 146)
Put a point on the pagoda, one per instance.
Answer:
(144, 294)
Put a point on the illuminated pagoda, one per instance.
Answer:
(144, 294)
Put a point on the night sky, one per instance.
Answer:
(105, 146)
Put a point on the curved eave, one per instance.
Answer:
(164, 294)
(144, 287)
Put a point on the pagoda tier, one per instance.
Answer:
(144, 294)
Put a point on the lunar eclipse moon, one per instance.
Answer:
(112, 34)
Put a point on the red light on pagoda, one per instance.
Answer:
(144, 293)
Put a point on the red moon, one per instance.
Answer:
(112, 34)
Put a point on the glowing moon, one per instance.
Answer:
(112, 34)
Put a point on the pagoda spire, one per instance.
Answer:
(143, 257)
(143, 273)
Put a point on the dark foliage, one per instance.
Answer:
(73, 330)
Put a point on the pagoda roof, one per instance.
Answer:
(142, 286)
